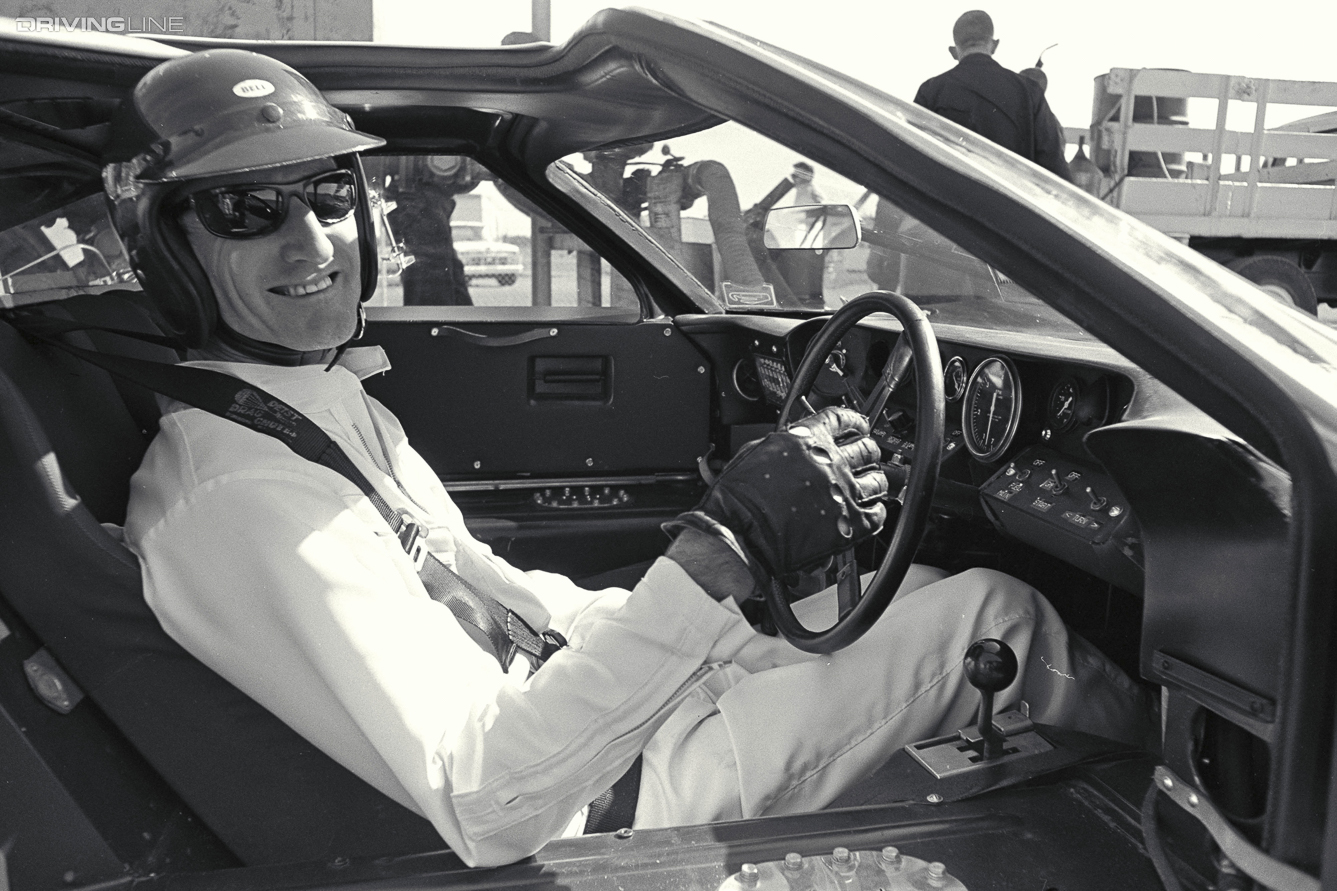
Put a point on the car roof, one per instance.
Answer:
(59, 90)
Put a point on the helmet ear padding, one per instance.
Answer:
(162, 258)
(195, 309)
(368, 250)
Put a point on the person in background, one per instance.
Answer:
(424, 205)
(1038, 75)
(996, 103)
(803, 270)
(804, 191)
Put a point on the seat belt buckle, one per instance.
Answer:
(411, 539)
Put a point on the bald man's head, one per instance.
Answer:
(973, 33)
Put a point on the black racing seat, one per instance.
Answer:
(70, 438)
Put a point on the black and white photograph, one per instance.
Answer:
(693, 446)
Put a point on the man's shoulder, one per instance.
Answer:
(253, 430)
(986, 72)
(973, 69)
(931, 87)
(194, 447)
(982, 65)
(196, 456)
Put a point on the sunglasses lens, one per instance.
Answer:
(239, 212)
(247, 211)
(332, 197)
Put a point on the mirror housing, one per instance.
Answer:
(821, 227)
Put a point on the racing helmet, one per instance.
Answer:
(206, 114)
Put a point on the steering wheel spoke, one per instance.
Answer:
(847, 583)
(859, 609)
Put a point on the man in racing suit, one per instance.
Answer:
(282, 576)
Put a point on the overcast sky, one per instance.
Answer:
(896, 45)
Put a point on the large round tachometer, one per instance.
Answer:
(991, 408)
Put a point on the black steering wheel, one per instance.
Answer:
(859, 610)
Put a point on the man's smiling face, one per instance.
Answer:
(298, 286)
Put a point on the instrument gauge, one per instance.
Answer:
(747, 380)
(1064, 400)
(991, 408)
(954, 378)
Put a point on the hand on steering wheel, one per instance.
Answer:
(860, 609)
(794, 497)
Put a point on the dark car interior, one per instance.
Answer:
(1181, 537)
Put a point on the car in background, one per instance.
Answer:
(483, 258)
(1141, 434)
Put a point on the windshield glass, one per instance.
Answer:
(70, 250)
(714, 200)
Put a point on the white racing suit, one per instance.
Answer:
(282, 577)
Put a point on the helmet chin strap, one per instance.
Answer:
(256, 350)
(358, 331)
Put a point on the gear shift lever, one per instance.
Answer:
(1002, 743)
(991, 667)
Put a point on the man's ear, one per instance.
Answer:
(952, 51)
(994, 48)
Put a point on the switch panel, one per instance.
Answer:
(1069, 509)
(1076, 498)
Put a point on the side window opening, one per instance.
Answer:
(448, 234)
(452, 234)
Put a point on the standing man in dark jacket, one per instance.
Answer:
(996, 103)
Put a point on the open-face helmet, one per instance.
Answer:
(204, 115)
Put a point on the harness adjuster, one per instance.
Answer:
(536, 646)
(552, 642)
(541, 648)
(411, 539)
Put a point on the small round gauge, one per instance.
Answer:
(991, 408)
(747, 380)
(1064, 401)
(954, 378)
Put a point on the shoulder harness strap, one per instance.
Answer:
(495, 628)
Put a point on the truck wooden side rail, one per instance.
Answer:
(1262, 202)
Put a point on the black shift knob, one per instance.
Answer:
(990, 665)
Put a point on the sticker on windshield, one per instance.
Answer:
(748, 296)
(249, 89)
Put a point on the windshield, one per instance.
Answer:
(714, 200)
(70, 250)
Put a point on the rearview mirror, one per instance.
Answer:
(821, 227)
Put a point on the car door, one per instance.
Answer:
(564, 419)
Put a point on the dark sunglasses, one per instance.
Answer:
(247, 211)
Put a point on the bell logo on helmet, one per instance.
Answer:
(249, 89)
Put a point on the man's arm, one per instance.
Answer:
(282, 578)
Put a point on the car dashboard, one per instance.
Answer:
(1013, 445)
